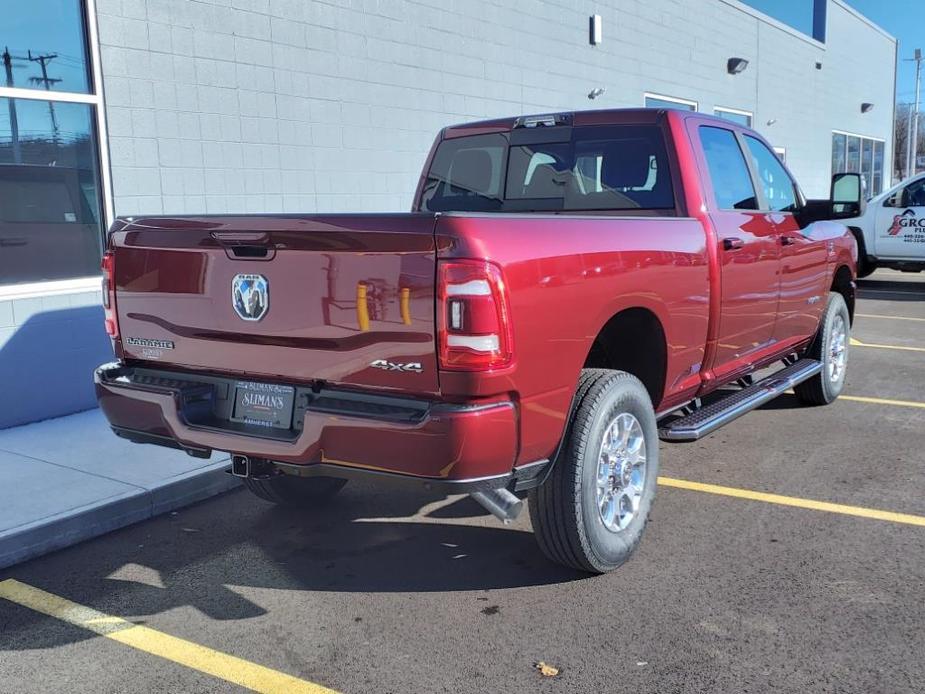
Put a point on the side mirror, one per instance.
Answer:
(847, 195)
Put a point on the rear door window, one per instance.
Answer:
(732, 182)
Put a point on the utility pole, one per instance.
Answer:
(912, 149)
(46, 81)
(14, 123)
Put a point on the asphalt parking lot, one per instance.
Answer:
(731, 590)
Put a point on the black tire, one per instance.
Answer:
(564, 510)
(865, 266)
(290, 490)
(823, 388)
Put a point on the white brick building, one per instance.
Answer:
(190, 106)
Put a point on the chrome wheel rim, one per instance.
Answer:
(621, 472)
(838, 349)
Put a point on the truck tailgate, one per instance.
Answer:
(344, 299)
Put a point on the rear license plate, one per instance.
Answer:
(263, 404)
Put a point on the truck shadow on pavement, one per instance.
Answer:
(210, 556)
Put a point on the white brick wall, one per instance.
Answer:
(303, 106)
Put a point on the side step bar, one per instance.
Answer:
(708, 419)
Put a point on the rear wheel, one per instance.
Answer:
(295, 491)
(591, 511)
(831, 348)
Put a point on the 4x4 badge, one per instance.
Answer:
(411, 366)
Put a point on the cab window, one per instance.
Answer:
(779, 191)
(732, 183)
(619, 168)
(914, 194)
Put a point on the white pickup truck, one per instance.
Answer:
(890, 231)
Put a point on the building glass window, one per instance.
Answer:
(867, 161)
(839, 156)
(49, 191)
(52, 209)
(45, 46)
(857, 154)
(854, 154)
(660, 101)
(797, 15)
(743, 118)
(877, 180)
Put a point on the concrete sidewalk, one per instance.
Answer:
(69, 479)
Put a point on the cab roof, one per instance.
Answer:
(614, 116)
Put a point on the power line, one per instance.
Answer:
(11, 105)
(47, 81)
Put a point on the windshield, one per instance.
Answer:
(620, 168)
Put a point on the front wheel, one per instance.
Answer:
(831, 348)
(865, 267)
(591, 511)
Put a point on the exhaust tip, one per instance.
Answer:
(501, 503)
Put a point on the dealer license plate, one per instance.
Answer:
(263, 404)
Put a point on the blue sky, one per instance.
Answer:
(903, 19)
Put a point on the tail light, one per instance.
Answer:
(109, 294)
(473, 317)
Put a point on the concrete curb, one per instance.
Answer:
(92, 520)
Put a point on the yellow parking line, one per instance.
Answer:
(883, 401)
(876, 401)
(876, 315)
(865, 290)
(221, 665)
(857, 343)
(860, 511)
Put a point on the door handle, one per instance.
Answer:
(732, 243)
(788, 240)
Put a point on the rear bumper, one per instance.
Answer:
(337, 433)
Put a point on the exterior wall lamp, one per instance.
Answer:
(867, 107)
(736, 65)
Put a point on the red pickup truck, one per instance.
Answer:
(568, 290)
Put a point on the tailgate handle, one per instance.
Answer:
(243, 251)
(245, 244)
